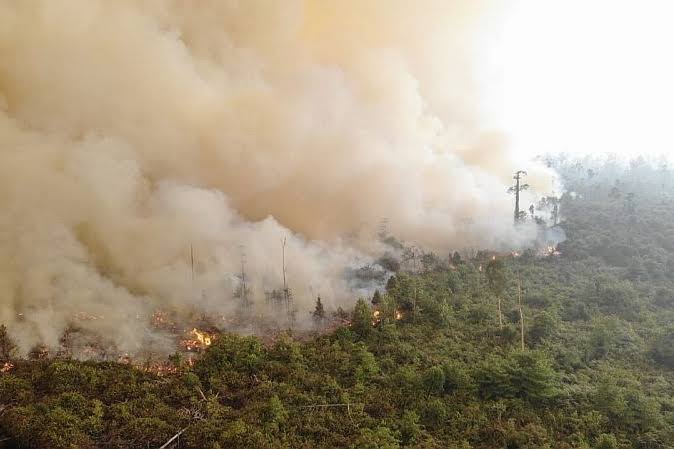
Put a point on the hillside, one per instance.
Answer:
(425, 364)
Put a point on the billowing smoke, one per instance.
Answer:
(137, 137)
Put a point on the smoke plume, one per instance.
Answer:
(141, 138)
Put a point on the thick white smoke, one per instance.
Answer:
(133, 130)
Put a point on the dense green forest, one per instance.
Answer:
(433, 361)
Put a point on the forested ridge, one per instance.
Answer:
(432, 361)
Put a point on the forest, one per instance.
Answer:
(567, 348)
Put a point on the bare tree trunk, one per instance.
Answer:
(414, 305)
(519, 301)
(192, 263)
(500, 314)
(287, 294)
(283, 266)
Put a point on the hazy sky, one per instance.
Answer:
(589, 76)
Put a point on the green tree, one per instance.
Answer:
(319, 312)
(457, 377)
(663, 348)
(496, 280)
(543, 325)
(274, 413)
(361, 320)
(15, 389)
(434, 380)
(379, 438)
(610, 335)
(230, 361)
(7, 346)
(409, 427)
(434, 413)
(606, 441)
(532, 375)
(526, 375)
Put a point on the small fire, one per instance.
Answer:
(202, 337)
(160, 319)
(161, 369)
(199, 340)
(6, 367)
(399, 315)
(376, 317)
(549, 250)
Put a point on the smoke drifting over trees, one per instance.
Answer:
(132, 130)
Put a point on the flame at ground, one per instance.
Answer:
(202, 337)
(6, 367)
(201, 340)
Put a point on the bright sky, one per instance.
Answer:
(586, 76)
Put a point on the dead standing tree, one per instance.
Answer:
(192, 263)
(282, 299)
(287, 293)
(516, 189)
(243, 291)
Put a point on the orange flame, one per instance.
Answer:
(202, 337)
(7, 367)
(376, 317)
